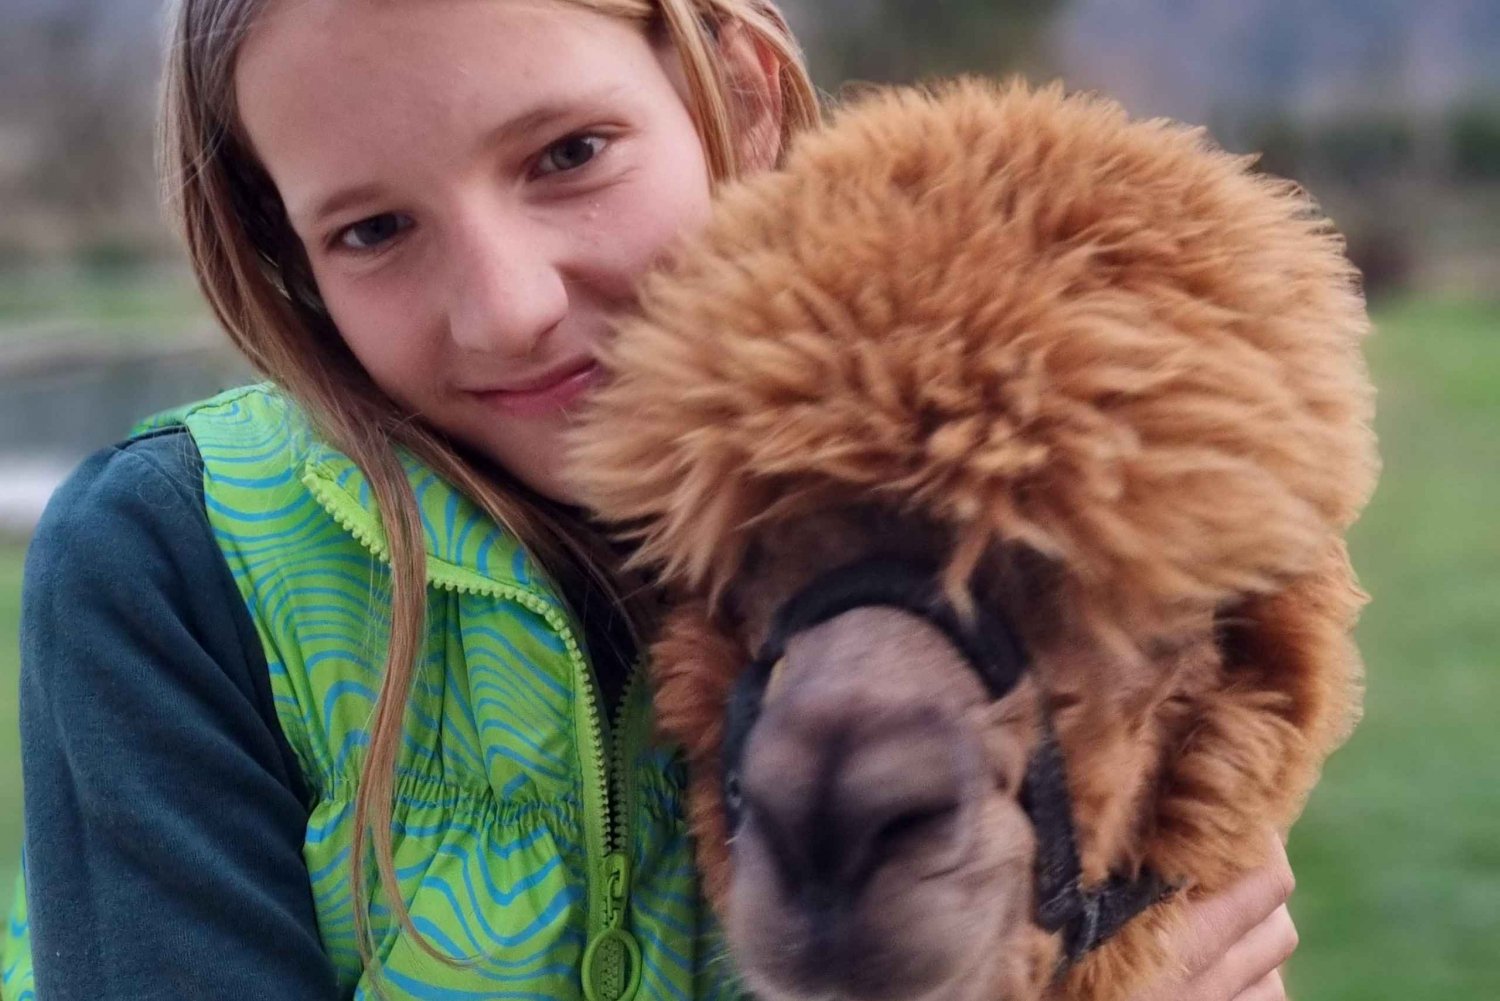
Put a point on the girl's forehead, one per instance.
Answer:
(402, 54)
(383, 42)
(323, 84)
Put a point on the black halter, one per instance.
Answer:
(1084, 918)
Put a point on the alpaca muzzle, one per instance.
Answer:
(1083, 917)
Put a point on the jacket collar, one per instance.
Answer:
(466, 550)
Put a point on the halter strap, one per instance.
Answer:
(1085, 918)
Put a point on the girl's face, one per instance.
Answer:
(478, 185)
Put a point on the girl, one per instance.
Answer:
(279, 747)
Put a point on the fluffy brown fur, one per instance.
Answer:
(1031, 323)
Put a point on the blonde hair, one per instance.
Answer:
(255, 275)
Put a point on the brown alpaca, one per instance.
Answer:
(1107, 383)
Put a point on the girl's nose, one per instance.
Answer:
(508, 289)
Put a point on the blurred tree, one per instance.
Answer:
(1361, 150)
(899, 40)
(1364, 171)
(1475, 141)
(79, 81)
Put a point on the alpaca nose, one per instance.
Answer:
(838, 788)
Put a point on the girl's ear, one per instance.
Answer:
(753, 74)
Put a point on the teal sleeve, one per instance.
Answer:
(164, 813)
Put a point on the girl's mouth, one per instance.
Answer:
(547, 394)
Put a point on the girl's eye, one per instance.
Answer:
(367, 234)
(571, 153)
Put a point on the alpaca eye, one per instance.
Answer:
(733, 799)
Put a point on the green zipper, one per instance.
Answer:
(612, 956)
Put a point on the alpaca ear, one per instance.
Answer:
(1290, 696)
(753, 74)
(1299, 643)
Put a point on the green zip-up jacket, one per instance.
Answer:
(536, 835)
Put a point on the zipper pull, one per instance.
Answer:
(616, 888)
(612, 961)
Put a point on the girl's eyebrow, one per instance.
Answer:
(544, 114)
(342, 199)
(548, 112)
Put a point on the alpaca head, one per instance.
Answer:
(887, 800)
(881, 846)
(1100, 387)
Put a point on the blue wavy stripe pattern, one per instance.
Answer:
(488, 815)
(488, 824)
(16, 981)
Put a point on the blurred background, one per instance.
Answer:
(1387, 110)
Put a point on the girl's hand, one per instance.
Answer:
(1233, 944)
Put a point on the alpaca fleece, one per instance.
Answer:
(1026, 319)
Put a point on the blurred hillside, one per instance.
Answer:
(896, 40)
(1310, 59)
(1388, 110)
(77, 104)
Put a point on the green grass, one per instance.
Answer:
(1398, 855)
(10, 739)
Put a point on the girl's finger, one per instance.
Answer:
(1218, 922)
(1257, 956)
(1268, 988)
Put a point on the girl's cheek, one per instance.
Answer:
(382, 319)
(654, 204)
(652, 227)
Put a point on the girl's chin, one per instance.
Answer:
(538, 465)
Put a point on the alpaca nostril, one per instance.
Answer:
(828, 807)
(914, 823)
(920, 831)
